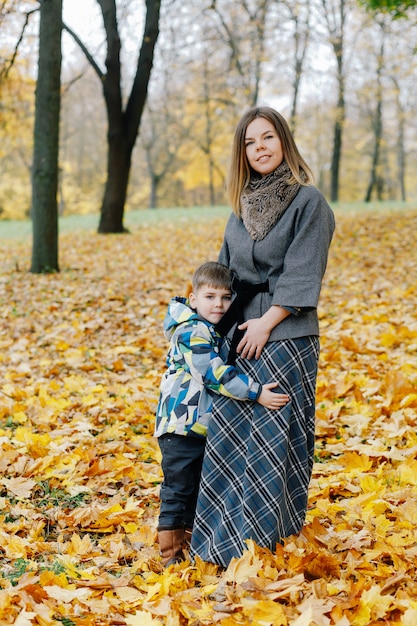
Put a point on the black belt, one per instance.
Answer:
(244, 293)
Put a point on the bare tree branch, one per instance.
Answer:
(85, 50)
(67, 86)
(4, 71)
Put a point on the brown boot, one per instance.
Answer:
(187, 536)
(171, 543)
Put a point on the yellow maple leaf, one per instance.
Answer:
(19, 486)
(129, 527)
(388, 340)
(371, 484)
(378, 604)
(70, 565)
(153, 591)
(143, 535)
(26, 435)
(46, 577)
(20, 417)
(128, 594)
(408, 511)
(361, 615)
(401, 538)
(205, 572)
(47, 400)
(408, 473)
(239, 570)
(67, 594)
(322, 565)
(375, 508)
(159, 607)
(80, 546)
(354, 461)
(87, 515)
(14, 547)
(142, 618)
(265, 612)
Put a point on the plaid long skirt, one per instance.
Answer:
(257, 463)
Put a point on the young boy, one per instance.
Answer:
(194, 373)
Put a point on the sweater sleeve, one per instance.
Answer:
(207, 368)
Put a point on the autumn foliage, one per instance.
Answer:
(81, 357)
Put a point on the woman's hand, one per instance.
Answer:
(258, 330)
(254, 339)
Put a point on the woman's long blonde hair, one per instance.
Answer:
(240, 170)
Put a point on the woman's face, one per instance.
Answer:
(263, 146)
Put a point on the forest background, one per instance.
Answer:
(344, 79)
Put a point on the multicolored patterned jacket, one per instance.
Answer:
(195, 372)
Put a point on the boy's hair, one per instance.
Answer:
(213, 274)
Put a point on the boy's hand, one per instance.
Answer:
(272, 400)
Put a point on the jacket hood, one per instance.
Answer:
(179, 311)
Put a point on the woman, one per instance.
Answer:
(258, 462)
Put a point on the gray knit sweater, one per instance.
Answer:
(292, 257)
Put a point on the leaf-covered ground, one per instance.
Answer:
(81, 355)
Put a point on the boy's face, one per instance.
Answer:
(211, 303)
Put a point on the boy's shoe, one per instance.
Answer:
(171, 545)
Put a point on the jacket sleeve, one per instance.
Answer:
(205, 365)
(298, 286)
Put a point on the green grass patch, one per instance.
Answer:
(373, 207)
(22, 229)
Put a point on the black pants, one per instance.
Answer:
(182, 458)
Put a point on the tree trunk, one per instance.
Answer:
(374, 180)
(340, 117)
(153, 195)
(46, 140)
(118, 170)
(337, 150)
(295, 91)
(335, 16)
(208, 144)
(301, 25)
(123, 126)
(401, 156)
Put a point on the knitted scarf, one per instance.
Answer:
(266, 199)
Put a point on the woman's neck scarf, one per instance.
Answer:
(265, 200)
